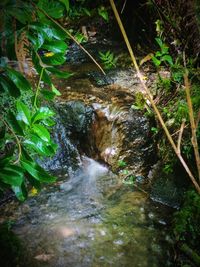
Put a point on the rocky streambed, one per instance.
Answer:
(90, 217)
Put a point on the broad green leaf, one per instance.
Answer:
(37, 172)
(23, 113)
(56, 59)
(156, 61)
(55, 46)
(37, 39)
(66, 3)
(14, 123)
(59, 73)
(20, 191)
(42, 114)
(49, 29)
(11, 176)
(39, 146)
(55, 91)
(168, 58)
(34, 182)
(42, 132)
(18, 79)
(48, 95)
(48, 122)
(53, 8)
(9, 86)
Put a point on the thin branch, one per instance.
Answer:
(123, 6)
(71, 36)
(197, 119)
(38, 88)
(17, 140)
(192, 122)
(150, 98)
(180, 136)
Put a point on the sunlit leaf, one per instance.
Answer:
(42, 113)
(42, 132)
(23, 113)
(20, 191)
(14, 123)
(55, 91)
(55, 46)
(56, 59)
(53, 8)
(37, 172)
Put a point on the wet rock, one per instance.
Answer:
(72, 124)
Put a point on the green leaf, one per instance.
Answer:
(14, 123)
(55, 46)
(53, 8)
(23, 113)
(59, 73)
(18, 79)
(55, 91)
(20, 191)
(159, 42)
(37, 40)
(9, 86)
(103, 13)
(66, 3)
(156, 61)
(49, 29)
(48, 122)
(37, 172)
(33, 181)
(42, 114)
(21, 14)
(48, 95)
(42, 132)
(12, 175)
(39, 146)
(168, 58)
(56, 59)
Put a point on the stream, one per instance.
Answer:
(88, 220)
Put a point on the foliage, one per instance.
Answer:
(186, 221)
(109, 59)
(162, 55)
(26, 119)
(103, 13)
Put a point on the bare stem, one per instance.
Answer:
(180, 136)
(150, 98)
(192, 122)
(38, 88)
(16, 138)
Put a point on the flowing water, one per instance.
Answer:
(89, 220)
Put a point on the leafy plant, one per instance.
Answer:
(26, 119)
(162, 55)
(122, 163)
(108, 59)
(103, 13)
